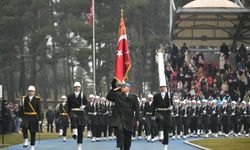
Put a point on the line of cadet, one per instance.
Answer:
(189, 117)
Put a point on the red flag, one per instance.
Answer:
(90, 17)
(123, 64)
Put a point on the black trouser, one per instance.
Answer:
(98, 131)
(50, 125)
(193, 124)
(32, 136)
(178, 125)
(245, 123)
(111, 131)
(94, 130)
(123, 138)
(80, 129)
(140, 128)
(205, 124)
(165, 133)
(104, 130)
(64, 131)
(185, 125)
(214, 126)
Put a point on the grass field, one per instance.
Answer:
(15, 138)
(225, 144)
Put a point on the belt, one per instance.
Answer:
(163, 109)
(91, 113)
(63, 114)
(77, 109)
(149, 113)
(30, 113)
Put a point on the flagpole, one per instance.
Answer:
(94, 62)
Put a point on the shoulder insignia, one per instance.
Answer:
(37, 97)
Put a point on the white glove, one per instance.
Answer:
(143, 118)
(40, 122)
(95, 113)
(153, 118)
(20, 119)
(82, 107)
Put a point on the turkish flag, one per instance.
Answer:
(122, 64)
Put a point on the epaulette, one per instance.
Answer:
(23, 97)
(37, 97)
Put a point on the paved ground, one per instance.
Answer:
(57, 144)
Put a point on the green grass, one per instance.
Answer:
(15, 138)
(225, 144)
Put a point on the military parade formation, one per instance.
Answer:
(153, 118)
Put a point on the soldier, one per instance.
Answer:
(142, 119)
(150, 124)
(92, 117)
(163, 106)
(245, 117)
(234, 117)
(194, 118)
(214, 118)
(63, 117)
(30, 112)
(111, 129)
(205, 117)
(225, 119)
(198, 113)
(76, 107)
(177, 119)
(126, 104)
(184, 112)
(89, 115)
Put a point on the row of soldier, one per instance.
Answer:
(189, 118)
(157, 115)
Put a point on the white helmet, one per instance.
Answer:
(143, 99)
(77, 84)
(234, 102)
(91, 96)
(97, 97)
(31, 88)
(193, 101)
(150, 96)
(224, 101)
(63, 97)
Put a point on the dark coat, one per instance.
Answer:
(63, 119)
(163, 117)
(125, 106)
(76, 102)
(30, 121)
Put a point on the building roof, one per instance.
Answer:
(211, 4)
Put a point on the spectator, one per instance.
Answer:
(50, 116)
(222, 62)
(225, 50)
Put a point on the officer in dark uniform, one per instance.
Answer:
(76, 107)
(126, 105)
(163, 106)
(30, 113)
(63, 118)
